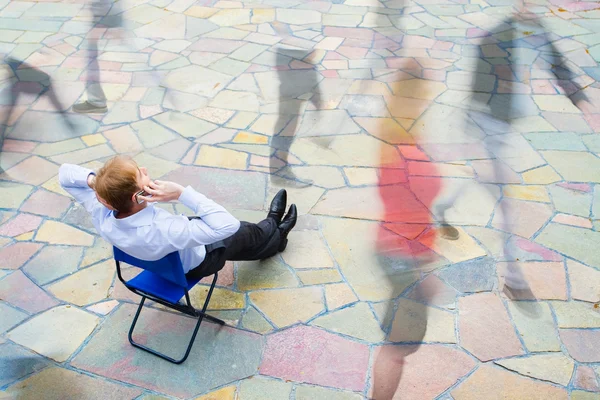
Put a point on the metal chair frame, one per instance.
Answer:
(187, 309)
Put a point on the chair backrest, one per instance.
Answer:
(169, 267)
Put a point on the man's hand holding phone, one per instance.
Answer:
(161, 191)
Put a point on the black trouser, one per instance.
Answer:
(250, 242)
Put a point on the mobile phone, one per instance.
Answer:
(140, 193)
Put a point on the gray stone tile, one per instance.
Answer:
(218, 347)
(52, 262)
(17, 362)
(555, 141)
(471, 276)
(10, 318)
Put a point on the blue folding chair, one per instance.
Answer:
(164, 282)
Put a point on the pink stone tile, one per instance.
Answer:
(593, 121)
(417, 42)
(109, 65)
(300, 65)
(585, 378)
(353, 53)
(580, 187)
(582, 344)
(281, 68)
(20, 291)
(46, 203)
(96, 33)
(310, 355)
(390, 176)
(48, 58)
(416, 372)
(22, 223)
(504, 72)
(476, 33)
(513, 87)
(546, 280)
(534, 249)
(65, 49)
(257, 68)
(408, 231)
(225, 276)
(332, 55)
(485, 329)
(524, 218)
(18, 146)
(104, 308)
(572, 220)
(366, 43)
(413, 153)
(14, 112)
(76, 62)
(443, 45)
(330, 73)
(385, 44)
(148, 111)
(15, 255)
(434, 75)
(350, 33)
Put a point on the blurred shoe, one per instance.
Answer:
(89, 108)
(287, 225)
(449, 232)
(277, 208)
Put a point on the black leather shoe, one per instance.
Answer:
(277, 208)
(287, 225)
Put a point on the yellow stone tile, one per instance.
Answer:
(221, 299)
(251, 138)
(405, 122)
(201, 12)
(315, 57)
(531, 193)
(418, 89)
(92, 140)
(367, 87)
(86, 286)
(224, 158)
(25, 237)
(462, 249)
(316, 277)
(386, 129)
(541, 176)
(226, 393)
(58, 233)
(54, 186)
(338, 295)
(260, 15)
(361, 176)
(276, 304)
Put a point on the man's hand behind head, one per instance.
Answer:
(162, 191)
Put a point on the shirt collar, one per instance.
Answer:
(140, 218)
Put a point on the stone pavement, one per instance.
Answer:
(382, 119)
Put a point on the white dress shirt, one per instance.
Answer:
(152, 233)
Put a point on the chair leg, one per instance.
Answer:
(201, 315)
(205, 306)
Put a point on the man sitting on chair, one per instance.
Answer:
(120, 196)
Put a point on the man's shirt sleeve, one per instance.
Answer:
(73, 179)
(215, 222)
